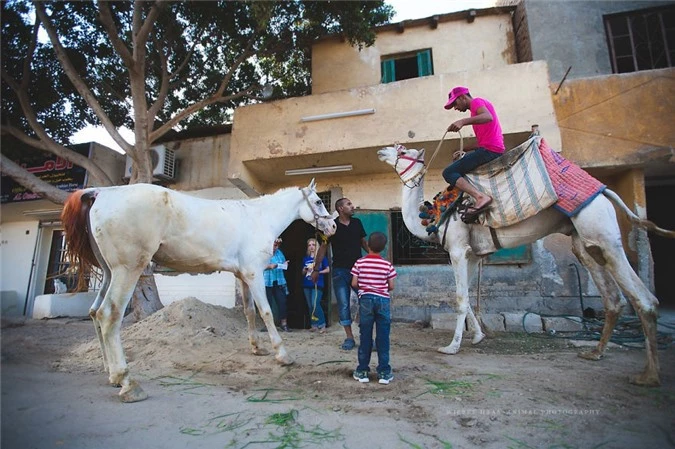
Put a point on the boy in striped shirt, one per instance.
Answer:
(374, 276)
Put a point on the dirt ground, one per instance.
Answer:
(208, 391)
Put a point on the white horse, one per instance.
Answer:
(596, 241)
(122, 229)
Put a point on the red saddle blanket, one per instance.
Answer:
(573, 185)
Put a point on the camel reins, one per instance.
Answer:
(425, 168)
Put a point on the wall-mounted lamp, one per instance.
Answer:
(41, 212)
(313, 118)
(315, 170)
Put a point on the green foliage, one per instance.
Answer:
(196, 42)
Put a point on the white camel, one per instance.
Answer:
(596, 241)
(122, 229)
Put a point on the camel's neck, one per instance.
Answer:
(413, 197)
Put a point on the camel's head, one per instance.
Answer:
(408, 163)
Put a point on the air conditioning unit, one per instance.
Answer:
(163, 163)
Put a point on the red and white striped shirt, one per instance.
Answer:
(373, 273)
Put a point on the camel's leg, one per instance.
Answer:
(474, 325)
(602, 240)
(109, 316)
(464, 264)
(611, 297)
(249, 312)
(257, 288)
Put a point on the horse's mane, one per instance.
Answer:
(269, 195)
(79, 252)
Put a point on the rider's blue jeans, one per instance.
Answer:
(471, 160)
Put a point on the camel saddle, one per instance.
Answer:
(530, 178)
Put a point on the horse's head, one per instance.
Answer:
(408, 163)
(314, 212)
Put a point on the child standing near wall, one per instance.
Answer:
(374, 278)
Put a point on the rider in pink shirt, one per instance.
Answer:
(488, 132)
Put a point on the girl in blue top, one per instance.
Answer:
(314, 292)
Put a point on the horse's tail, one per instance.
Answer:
(648, 225)
(79, 252)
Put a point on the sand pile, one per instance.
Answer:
(172, 337)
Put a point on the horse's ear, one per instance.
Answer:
(312, 185)
(421, 154)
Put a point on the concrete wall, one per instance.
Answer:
(547, 285)
(271, 137)
(337, 66)
(621, 120)
(572, 33)
(17, 241)
(215, 288)
(202, 162)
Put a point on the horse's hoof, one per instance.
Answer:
(132, 393)
(645, 380)
(448, 350)
(284, 360)
(591, 355)
(260, 351)
(477, 339)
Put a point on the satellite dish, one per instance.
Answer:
(267, 91)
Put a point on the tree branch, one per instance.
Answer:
(32, 182)
(77, 81)
(25, 77)
(195, 107)
(237, 62)
(59, 150)
(163, 89)
(161, 98)
(141, 33)
(105, 16)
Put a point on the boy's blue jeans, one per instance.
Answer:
(374, 311)
(342, 283)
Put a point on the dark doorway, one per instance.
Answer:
(660, 210)
(294, 247)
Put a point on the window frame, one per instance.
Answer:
(433, 253)
(423, 59)
(635, 52)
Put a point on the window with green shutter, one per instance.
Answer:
(404, 66)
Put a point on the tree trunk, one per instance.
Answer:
(145, 300)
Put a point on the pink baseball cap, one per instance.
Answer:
(453, 94)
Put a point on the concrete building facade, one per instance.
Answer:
(394, 91)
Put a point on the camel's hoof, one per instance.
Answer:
(645, 380)
(260, 351)
(477, 339)
(133, 393)
(448, 350)
(591, 355)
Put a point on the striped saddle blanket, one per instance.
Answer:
(530, 178)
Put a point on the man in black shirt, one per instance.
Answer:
(346, 243)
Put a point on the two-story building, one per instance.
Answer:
(618, 126)
(528, 59)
